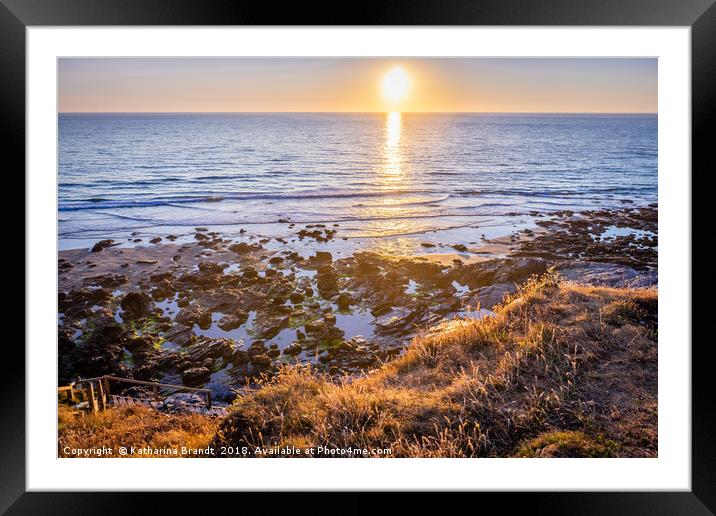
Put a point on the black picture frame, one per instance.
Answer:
(700, 15)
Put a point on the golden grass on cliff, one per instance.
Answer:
(137, 426)
(560, 370)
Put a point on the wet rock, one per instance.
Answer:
(229, 300)
(492, 295)
(268, 325)
(581, 237)
(140, 342)
(402, 321)
(275, 260)
(109, 280)
(79, 300)
(98, 353)
(155, 240)
(296, 297)
(161, 277)
(321, 257)
(258, 347)
(520, 270)
(477, 275)
(192, 315)
(322, 330)
(195, 375)
(381, 309)
(239, 357)
(293, 349)
(344, 301)
(180, 335)
(211, 268)
(460, 248)
(607, 274)
(244, 248)
(135, 305)
(102, 245)
(315, 327)
(326, 281)
(249, 273)
(65, 343)
(233, 321)
(261, 360)
(366, 265)
(427, 244)
(205, 349)
(317, 234)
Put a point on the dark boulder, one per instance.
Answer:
(102, 245)
(244, 248)
(135, 305)
(211, 268)
(192, 315)
(233, 321)
(195, 375)
(293, 349)
(344, 301)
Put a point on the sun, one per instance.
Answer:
(396, 84)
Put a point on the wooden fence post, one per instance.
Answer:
(85, 393)
(105, 380)
(208, 400)
(93, 402)
(102, 396)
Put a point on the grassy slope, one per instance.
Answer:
(562, 370)
(132, 426)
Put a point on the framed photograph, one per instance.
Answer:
(453, 242)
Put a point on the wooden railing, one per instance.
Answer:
(96, 391)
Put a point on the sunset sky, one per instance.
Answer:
(585, 85)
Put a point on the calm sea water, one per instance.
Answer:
(380, 176)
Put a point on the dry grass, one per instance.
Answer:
(564, 368)
(138, 427)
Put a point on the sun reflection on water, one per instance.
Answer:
(392, 168)
(391, 214)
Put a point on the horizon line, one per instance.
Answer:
(359, 112)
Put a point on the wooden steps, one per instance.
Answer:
(95, 394)
(129, 401)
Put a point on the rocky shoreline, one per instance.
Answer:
(219, 312)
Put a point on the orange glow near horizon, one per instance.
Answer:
(382, 85)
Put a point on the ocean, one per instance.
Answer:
(389, 181)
